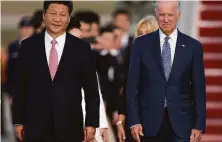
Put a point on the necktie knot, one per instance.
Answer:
(167, 38)
(53, 42)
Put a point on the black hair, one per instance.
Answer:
(37, 18)
(25, 21)
(69, 4)
(88, 17)
(93, 17)
(107, 28)
(74, 23)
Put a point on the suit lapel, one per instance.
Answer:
(63, 56)
(42, 55)
(179, 53)
(156, 52)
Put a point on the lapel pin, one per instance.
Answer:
(183, 45)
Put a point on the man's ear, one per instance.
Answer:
(69, 18)
(156, 13)
(178, 15)
(43, 15)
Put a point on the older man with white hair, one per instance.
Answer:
(166, 92)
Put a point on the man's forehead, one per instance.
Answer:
(57, 7)
(84, 25)
(167, 3)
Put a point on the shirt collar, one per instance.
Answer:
(173, 35)
(125, 39)
(60, 39)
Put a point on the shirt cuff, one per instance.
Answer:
(103, 52)
(133, 126)
(114, 52)
(17, 124)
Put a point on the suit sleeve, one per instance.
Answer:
(103, 122)
(133, 87)
(199, 89)
(10, 67)
(90, 86)
(122, 103)
(122, 96)
(18, 88)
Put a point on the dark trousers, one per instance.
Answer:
(166, 133)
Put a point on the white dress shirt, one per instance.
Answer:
(172, 41)
(125, 40)
(60, 42)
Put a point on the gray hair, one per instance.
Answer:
(156, 5)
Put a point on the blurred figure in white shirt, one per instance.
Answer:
(102, 131)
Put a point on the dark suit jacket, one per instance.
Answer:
(13, 49)
(50, 110)
(185, 90)
(122, 96)
(109, 88)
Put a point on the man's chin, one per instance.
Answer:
(167, 31)
(57, 31)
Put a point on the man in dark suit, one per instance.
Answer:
(166, 94)
(25, 30)
(52, 68)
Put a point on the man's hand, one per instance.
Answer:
(9, 99)
(104, 133)
(136, 132)
(19, 131)
(89, 134)
(195, 135)
(121, 133)
(97, 46)
(103, 42)
(115, 117)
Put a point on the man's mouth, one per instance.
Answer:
(56, 25)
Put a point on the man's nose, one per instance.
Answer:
(57, 18)
(166, 19)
